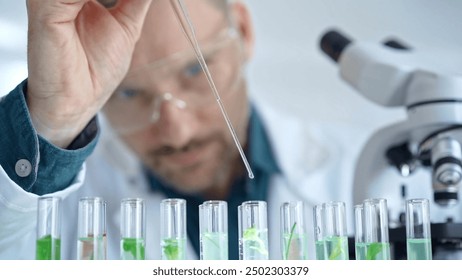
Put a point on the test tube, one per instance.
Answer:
(173, 229)
(360, 245)
(319, 232)
(336, 236)
(418, 236)
(376, 229)
(253, 231)
(294, 240)
(91, 243)
(213, 224)
(48, 245)
(132, 229)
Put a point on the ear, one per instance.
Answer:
(243, 24)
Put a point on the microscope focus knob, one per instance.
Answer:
(450, 176)
(446, 161)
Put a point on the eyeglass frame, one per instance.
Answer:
(220, 42)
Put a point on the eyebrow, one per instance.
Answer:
(188, 53)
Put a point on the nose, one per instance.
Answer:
(158, 102)
(175, 125)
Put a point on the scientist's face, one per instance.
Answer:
(164, 109)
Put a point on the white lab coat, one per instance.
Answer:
(317, 163)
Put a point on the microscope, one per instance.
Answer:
(428, 87)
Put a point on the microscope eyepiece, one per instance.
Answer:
(333, 43)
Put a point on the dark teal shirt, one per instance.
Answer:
(46, 168)
(262, 161)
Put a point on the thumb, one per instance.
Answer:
(131, 14)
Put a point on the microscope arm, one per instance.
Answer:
(367, 68)
(372, 166)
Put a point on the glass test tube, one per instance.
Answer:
(375, 221)
(319, 232)
(360, 245)
(253, 231)
(132, 229)
(48, 245)
(173, 229)
(294, 240)
(213, 224)
(336, 236)
(91, 243)
(418, 236)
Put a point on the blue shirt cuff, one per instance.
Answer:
(31, 161)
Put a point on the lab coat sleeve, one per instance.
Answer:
(30, 160)
(18, 214)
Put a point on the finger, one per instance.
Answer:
(54, 11)
(131, 14)
(37, 7)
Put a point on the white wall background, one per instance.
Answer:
(13, 41)
(288, 68)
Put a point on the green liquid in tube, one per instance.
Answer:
(173, 248)
(132, 249)
(48, 248)
(419, 249)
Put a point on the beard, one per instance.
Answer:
(211, 172)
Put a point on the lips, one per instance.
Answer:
(186, 157)
(192, 155)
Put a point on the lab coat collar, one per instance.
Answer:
(310, 153)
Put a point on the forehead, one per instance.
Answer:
(162, 34)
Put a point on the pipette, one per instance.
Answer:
(182, 14)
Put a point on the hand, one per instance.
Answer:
(78, 53)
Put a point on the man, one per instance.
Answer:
(162, 133)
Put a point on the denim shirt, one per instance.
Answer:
(263, 164)
(30, 160)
